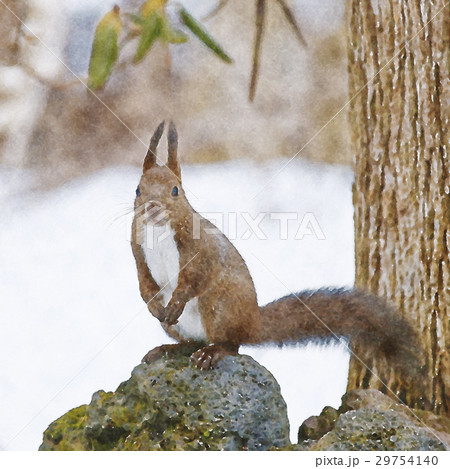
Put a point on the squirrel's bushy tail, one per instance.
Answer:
(365, 320)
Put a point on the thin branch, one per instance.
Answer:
(260, 16)
(292, 21)
(215, 10)
(48, 82)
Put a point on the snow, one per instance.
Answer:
(72, 318)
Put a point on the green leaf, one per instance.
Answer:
(137, 18)
(151, 6)
(152, 26)
(171, 35)
(105, 49)
(199, 31)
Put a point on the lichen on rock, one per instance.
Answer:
(170, 405)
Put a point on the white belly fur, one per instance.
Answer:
(162, 257)
(190, 324)
(163, 260)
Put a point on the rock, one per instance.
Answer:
(369, 399)
(312, 428)
(330, 413)
(315, 427)
(439, 425)
(370, 420)
(170, 405)
(375, 430)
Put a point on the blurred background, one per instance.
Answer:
(50, 122)
(72, 320)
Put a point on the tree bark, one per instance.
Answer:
(399, 72)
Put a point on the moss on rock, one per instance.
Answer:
(170, 405)
(67, 433)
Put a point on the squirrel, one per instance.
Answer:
(195, 282)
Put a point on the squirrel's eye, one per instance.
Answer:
(175, 191)
(138, 192)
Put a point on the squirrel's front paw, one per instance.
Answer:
(157, 310)
(172, 313)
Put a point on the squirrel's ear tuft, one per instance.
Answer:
(172, 145)
(150, 158)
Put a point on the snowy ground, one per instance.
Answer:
(72, 320)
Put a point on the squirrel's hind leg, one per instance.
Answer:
(171, 350)
(207, 357)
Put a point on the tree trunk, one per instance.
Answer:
(399, 71)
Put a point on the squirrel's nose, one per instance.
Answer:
(155, 213)
(153, 206)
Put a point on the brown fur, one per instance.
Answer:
(212, 270)
(369, 324)
(210, 267)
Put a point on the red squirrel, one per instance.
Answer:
(200, 289)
